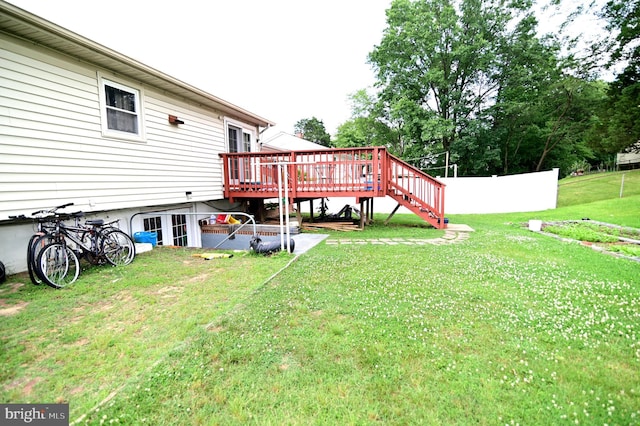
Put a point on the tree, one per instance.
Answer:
(366, 127)
(621, 126)
(623, 17)
(436, 65)
(474, 79)
(313, 130)
(568, 109)
(528, 67)
(543, 116)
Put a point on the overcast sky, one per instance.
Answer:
(284, 60)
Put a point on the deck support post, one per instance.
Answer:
(299, 214)
(391, 214)
(362, 213)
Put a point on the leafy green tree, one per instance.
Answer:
(528, 67)
(313, 130)
(620, 128)
(439, 69)
(543, 116)
(623, 18)
(569, 109)
(474, 78)
(366, 127)
(436, 63)
(623, 112)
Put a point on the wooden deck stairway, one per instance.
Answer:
(363, 173)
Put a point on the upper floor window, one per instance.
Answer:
(121, 110)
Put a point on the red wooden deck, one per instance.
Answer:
(347, 172)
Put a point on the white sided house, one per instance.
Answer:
(83, 124)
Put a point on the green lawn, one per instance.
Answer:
(597, 187)
(506, 327)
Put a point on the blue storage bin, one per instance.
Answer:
(146, 237)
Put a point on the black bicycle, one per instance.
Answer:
(98, 242)
(55, 249)
(40, 239)
(58, 262)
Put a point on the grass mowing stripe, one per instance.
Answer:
(179, 348)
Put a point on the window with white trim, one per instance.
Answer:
(121, 108)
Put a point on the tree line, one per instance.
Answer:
(477, 80)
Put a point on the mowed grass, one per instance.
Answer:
(83, 343)
(586, 189)
(506, 327)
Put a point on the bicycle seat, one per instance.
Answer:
(95, 222)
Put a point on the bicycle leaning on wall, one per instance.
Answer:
(55, 250)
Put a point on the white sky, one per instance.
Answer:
(284, 60)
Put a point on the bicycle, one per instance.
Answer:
(55, 249)
(58, 262)
(100, 242)
(39, 239)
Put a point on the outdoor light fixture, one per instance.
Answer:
(175, 120)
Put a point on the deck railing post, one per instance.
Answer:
(376, 170)
(225, 175)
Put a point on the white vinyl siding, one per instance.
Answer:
(53, 151)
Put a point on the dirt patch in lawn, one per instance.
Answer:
(8, 309)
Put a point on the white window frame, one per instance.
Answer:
(246, 130)
(138, 94)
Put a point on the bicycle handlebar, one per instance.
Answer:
(53, 210)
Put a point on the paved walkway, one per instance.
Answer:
(453, 234)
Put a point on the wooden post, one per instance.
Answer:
(392, 213)
(372, 220)
(299, 213)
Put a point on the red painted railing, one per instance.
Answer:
(347, 172)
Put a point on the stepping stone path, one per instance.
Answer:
(453, 234)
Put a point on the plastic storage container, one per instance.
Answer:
(146, 237)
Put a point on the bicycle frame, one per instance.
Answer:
(65, 233)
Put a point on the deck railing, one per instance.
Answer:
(415, 189)
(344, 172)
(330, 172)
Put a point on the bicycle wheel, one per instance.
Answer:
(36, 243)
(59, 265)
(117, 247)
